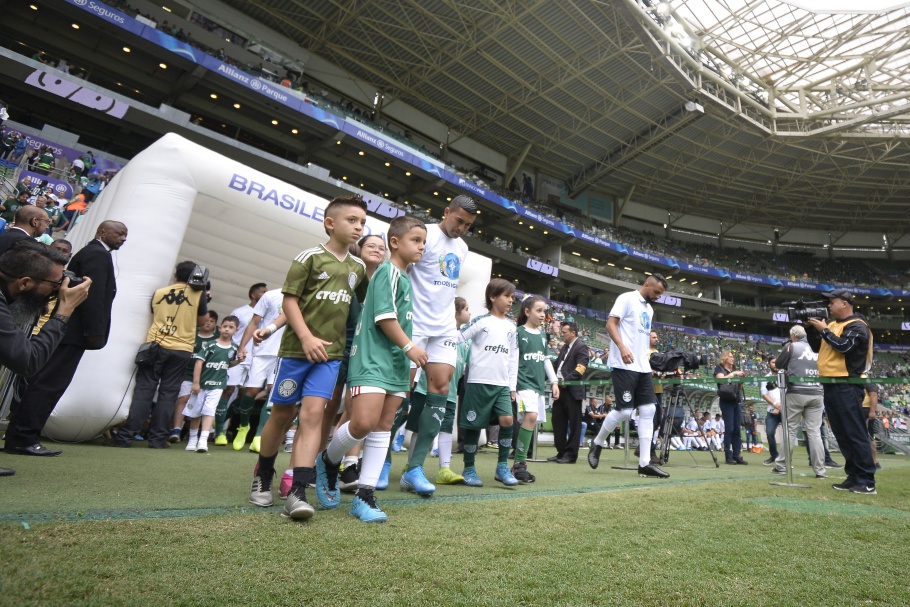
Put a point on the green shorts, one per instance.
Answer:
(483, 405)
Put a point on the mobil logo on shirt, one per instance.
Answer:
(537, 357)
(336, 297)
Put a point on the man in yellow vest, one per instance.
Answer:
(844, 347)
(176, 311)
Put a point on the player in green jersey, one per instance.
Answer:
(317, 298)
(204, 336)
(534, 372)
(209, 380)
(379, 373)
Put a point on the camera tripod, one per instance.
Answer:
(679, 400)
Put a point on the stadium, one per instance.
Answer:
(754, 154)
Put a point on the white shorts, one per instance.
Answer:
(203, 403)
(530, 401)
(358, 390)
(440, 348)
(186, 388)
(262, 371)
(237, 374)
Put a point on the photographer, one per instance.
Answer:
(770, 392)
(730, 397)
(804, 399)
(844, 348)
(30, 273)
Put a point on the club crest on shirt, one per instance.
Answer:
(472, 415)
(626, 397)
(450, 266)
(352, 280)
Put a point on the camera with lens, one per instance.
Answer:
(75, 281)
(802, 311)
(667, 362)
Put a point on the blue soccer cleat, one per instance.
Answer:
(415, 480)
(470, 477)
(327, 483)
(366, 509)
(505, 476)
(383, 483)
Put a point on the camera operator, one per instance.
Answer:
(844, 348)
(771, 393)
(804, 399)
(30, 272)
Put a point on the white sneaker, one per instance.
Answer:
(289, 447)
(191, 444)
(202, 447)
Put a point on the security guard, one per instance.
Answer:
(844, 349)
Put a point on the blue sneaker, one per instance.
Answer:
(470, 477)
(435, 452)
(415, 480)
(383, 483)
(327, 483)
(366, 509)
(398, 442)
(505, 476)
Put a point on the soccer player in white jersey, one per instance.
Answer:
(434, 280)
(491, 382)
(629, 327)
(238, 374)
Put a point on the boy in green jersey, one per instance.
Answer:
(209, 379)
(317, 298)
(379, 372)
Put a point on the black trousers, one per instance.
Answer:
(164, 374)
(567, 425)
(30, 412)
(844, 405)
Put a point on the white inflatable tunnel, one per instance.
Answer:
(182, 201)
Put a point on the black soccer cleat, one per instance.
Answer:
(594, 455)
(652, 471)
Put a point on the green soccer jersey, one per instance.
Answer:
(375, 360)
(324, 286)
(464, 348)
(55, 214)
(217, 360)
(201, 342)
(532, 352)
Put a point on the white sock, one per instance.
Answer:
(613, 419)
(194, 435)
(676, 442)
(645, 428)
(289, 437)
(204, 436)
(349, 460)
(341, 443)
(375, 447)
(445, 449)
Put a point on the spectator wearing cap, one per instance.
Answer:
(844, 347)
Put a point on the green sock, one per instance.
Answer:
(524, 441)
(428, 428)
(220, 416)
(244, 408)
(505, 443)
(470, 447)
(401, 416)
(263, 419)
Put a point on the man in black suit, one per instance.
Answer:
(30, 223)
(88, 329)
(570, 365)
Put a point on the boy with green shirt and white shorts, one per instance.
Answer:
(378, 374)
(209, 379)
(317, 298)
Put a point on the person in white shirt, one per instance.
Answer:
(491, 381)
(629, 327)
(771, 395)
(434, 280)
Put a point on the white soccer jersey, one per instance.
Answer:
(434, 280)
(635, 316)
(719, 426)
(269, 307)
(708, 426)
(692, 425)
(494, 351)
(244, 314)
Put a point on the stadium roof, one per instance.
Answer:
(758, 112)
